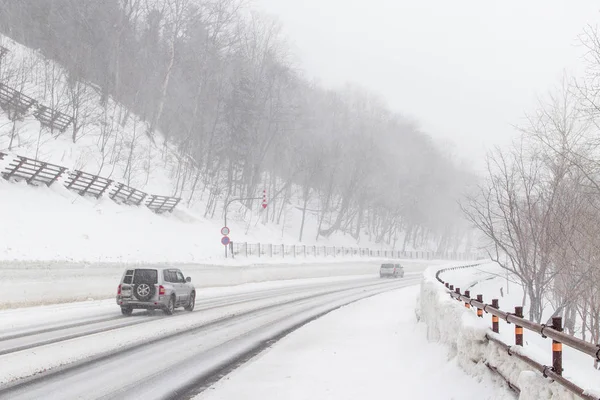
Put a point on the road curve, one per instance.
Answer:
(182, 361)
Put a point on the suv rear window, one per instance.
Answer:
(145, 276)
(387, 265)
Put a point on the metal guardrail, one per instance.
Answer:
(554, 332)
(244, 249)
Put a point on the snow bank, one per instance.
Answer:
(448, 322)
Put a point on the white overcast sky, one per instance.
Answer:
(465, 70)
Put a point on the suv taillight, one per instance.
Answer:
(119, 290)
(161, 290)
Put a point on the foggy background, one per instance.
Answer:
(465, 70)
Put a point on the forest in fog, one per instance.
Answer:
(219, 81)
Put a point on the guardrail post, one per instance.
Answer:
(495, 325)
(557, 347)
(451, 287)
(283, 250)
(457, 291)
(271, 250)
(447, 285)
(480, 310)
(468, 294)
(246, 247)
(519, 329)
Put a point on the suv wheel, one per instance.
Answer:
(126, 310)
(144, 291)
(192, 303)
(170, 307)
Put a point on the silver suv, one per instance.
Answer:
(155, 288)
(391, 270)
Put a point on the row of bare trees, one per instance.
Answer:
(218, 81)
(539, 206)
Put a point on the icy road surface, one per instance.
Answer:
(371, 349)
(25, 284)
(90, 351)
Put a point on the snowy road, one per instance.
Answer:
(33, 284)
(88, 351)
(371, 349)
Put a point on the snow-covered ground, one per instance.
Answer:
(371, 349)
(28, 284)
(46, 224)
(468, 278)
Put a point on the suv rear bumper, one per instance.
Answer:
(162, 302)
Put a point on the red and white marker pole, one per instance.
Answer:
(264, 202)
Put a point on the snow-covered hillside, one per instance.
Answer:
(53, 223)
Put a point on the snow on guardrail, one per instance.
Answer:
(451, 323)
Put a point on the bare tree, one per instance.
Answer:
(175, 14)
(514, 212)
(80, 103)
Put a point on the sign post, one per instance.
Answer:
(225, 241)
